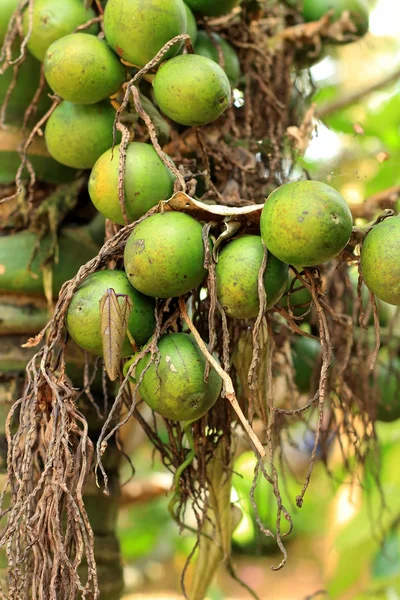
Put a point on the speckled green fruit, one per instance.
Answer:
(299, 295)
(76, 247)
(213, 8)
(82, 69)
(192, 90)
(380, 260)
(137, 30)
(7, 10)
(208, 46)
(306, 223)
(53, 20)
(164, 255)
(175, 387)
(83, 316)
(313, 10)
(388, 380)
(147, 182)
(77, 134)
(191, 24)
(306, 353)
(237, 272)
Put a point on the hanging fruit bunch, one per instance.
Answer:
(228, 292)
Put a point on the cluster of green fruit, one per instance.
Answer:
(84, 70)
(164, 257)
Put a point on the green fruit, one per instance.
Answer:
(207, 45)
(77, 134)
(83, 316)
(298, 295)
(388, 380)
(175, 386)
(213, 8)
(53, 20)
(380, 260)
(137, 30)
(82, 69)
(75, 249)
(192, 90)
(306, 353)
(313, 10)
(8, 7)
(306, 223)
(147, 182)
(191, 24)
(237, 272)
(164, 255)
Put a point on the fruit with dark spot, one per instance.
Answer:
(82, 69)
(380, 260)
(77, 134)
(306, 223)
(237, 273)
(147, 182)
(137, 30)
(52, 20)
(192, 89)
(164, 255)
(191, 24)
(174, 387)
(213, 8)
(313, 10)
(83, 316)
(207, 45)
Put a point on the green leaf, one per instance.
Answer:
(115, 310)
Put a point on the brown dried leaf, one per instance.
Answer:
(247, 215)
(115, 310)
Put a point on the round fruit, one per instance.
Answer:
(53, 20)
(380, 260)
(174, 387)
(191, 24)
(8, 7)
(237, 272)
(147, 182)
(82, 68)
(77, 134)
(164, 255)
(306, 223)
(306, 353)
(192, 90)
(313, 10)
(211, 8)
(137, 30)
(388, 380)
(207, 45)
(83, 316)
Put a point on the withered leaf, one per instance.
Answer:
(115, 310)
